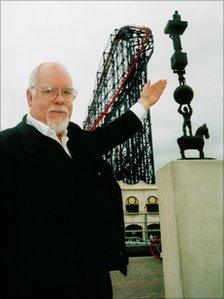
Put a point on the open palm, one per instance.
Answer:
(151, 93)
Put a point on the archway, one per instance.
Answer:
(153, 230)
(133, 230)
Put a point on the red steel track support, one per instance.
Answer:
(124, 77)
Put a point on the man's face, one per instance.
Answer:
(55, 113)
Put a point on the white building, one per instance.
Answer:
(141, 210)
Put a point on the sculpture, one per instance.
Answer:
(184, 94)
(186, 112)
(194, 142)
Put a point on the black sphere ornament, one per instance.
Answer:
(183, 94)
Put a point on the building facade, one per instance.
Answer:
(141, 210)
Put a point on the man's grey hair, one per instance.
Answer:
(35, 72)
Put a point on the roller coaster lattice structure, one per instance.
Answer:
(121, 75)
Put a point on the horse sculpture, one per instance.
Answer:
(194, 142)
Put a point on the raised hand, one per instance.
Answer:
(151, 93)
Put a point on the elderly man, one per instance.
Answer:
(61, 209)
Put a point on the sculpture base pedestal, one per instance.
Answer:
(191, 217)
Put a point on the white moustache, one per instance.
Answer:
(58, 109)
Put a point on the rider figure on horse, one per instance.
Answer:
(186, 112)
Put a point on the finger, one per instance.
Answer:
(147, 84)
(158, 88)
(159, 85)
(160, 82)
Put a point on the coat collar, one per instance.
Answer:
(35, 142)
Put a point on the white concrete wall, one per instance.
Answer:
(191, 217)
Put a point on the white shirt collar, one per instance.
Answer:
(45, 129)
(41, 127)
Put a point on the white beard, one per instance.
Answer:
(58, 125)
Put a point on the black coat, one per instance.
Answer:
(58, 213)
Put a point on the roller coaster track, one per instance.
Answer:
(132, 65)
(120, 77)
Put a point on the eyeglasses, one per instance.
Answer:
(51, 93)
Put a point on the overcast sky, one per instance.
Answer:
(75, 33)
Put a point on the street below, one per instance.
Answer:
(144, 280)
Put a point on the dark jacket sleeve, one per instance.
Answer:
(8, 211)
(6, 165)
(118, 131)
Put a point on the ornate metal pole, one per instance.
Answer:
(184, 94)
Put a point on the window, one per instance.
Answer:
(132, 205)
(152, 205)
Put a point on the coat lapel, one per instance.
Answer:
(34, 142)
(80, 146)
